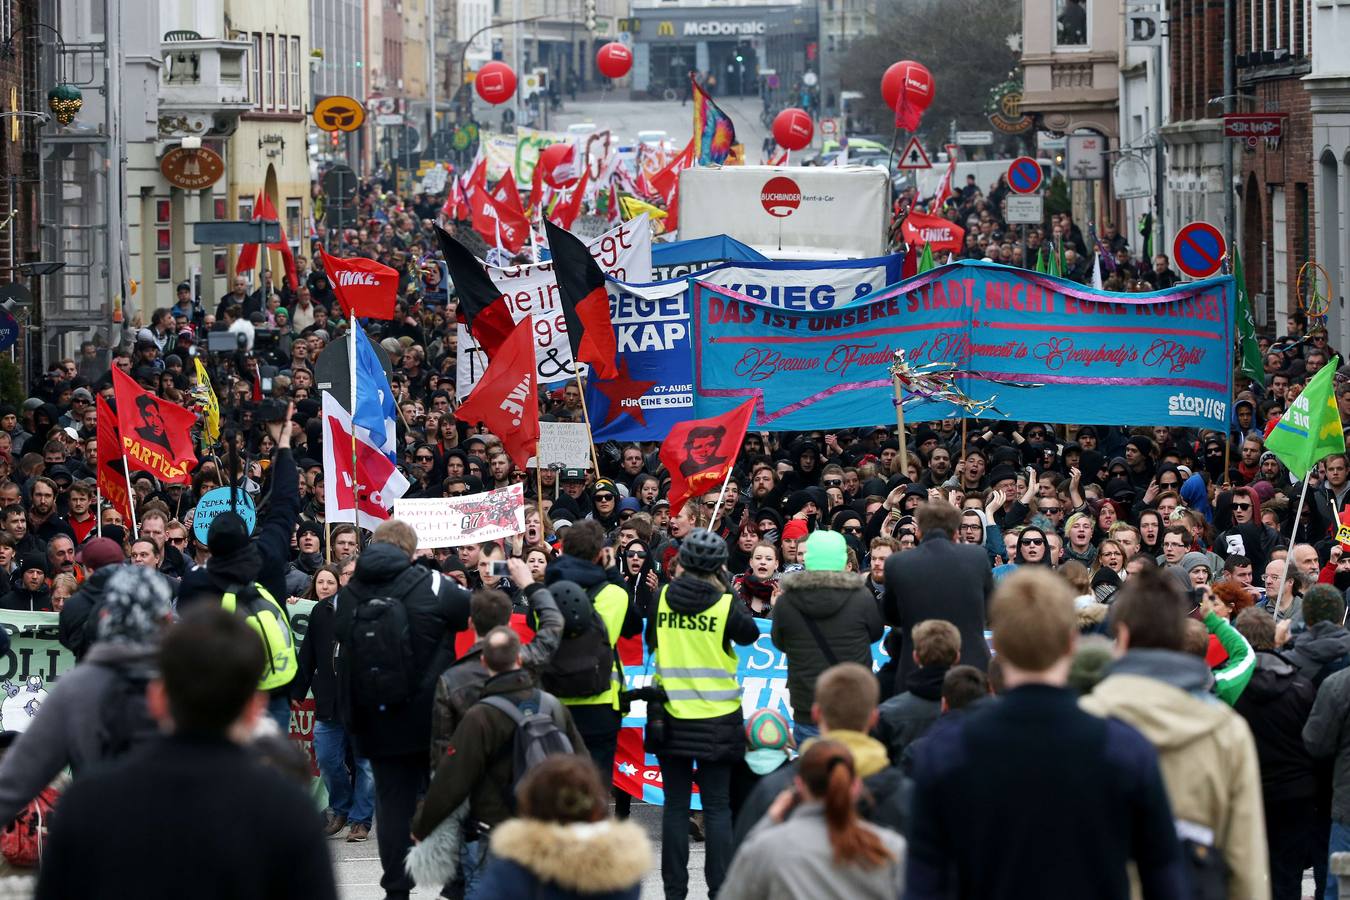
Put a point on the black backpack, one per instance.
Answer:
(377, 657)
(537, 735)
(581, 666)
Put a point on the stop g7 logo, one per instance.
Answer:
(780, 196)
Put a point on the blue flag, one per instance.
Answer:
(374, 413)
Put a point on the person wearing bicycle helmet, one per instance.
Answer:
(697, 619)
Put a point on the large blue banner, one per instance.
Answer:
(1019, 345)
(654, 390)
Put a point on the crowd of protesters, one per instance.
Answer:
(1150, 677)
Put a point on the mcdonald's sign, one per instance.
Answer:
(665, 29)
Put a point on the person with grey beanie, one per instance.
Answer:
(96, 712)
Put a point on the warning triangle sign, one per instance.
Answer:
(914, 157)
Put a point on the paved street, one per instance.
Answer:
(357, 866)
(628, 117)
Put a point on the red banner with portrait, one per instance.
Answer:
(156, 435)
(699, 453)
(112, 473)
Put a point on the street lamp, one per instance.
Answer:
(65, 99)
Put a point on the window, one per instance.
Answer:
(1071, 23)
(245, 208)
(220, 209)
(270, 76)
(294, 230)
(163, 210)
(283, 68)
(296, 100)
(222, 265)
(163, 268)
(255, 73)
(163, 240)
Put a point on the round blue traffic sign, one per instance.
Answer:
(1024, 175)
(1198, 249)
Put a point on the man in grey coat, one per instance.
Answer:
(938, 579)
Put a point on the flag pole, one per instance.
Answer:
(1293, 536)
(353, 328)
(539, 491)
(900, 426)
(98, 505)
(131, 501)
(721, 495)
(581, 389)
(327, 541)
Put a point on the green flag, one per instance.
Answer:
(926, 259)
(1055, 266)
(1040, 260)
(1249, 352)
(1146, 231)
(1311, 430)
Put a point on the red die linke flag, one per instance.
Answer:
(364, 287)
(112, 472)
(482, 305)
(156, 435)
(585, 301)
(940, 234)
(505, 398)
(698, 453)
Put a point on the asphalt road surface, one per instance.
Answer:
(357, 866)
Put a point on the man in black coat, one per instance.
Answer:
(939, 579)
(395, 736)
(187, 793)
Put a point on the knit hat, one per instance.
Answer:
(826, 551)
(33, 561)
(137, 604)
(99, 552)
(794, 530)
(1194, 560)
(228, 534)
(769, 738)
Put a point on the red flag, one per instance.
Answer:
(491, 216)
(667, 179)
(566, 212)
(944, 189)
(699, 453)
(482, 305)
(156, 435)
(112, 475)
(363, 286)
(248, 253)
(505, 397)
(507, 194)
(939, 233)
(584, 300)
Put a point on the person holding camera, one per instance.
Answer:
(699, 723)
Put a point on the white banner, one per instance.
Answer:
(470, 519)
(563, 445)
(624, 253)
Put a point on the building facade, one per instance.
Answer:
(1274, 179)
(1071, 82)
(1328, 87)
(732, 44)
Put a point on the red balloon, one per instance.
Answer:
(792, 128)
(553, 156)
(495, 82)
(614, 60)
(907, 88)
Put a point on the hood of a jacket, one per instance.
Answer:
(1163, 695)
(509, 683)
(380, 562)
(869, 754)
(926, 682)
(821, 595)
(309, 563)
(1270, 678)
(241, 566)
(686, 595)
(603, 857)
(1323, 642)
(579, 571)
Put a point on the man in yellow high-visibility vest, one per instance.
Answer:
(695, 623)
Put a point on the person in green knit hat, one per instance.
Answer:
(824, 616)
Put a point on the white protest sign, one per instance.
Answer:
(624, 253)
(563, 445)
(469, 519)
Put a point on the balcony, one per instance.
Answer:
(203, 88)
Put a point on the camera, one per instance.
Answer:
(272, 411)
(499, 569)
(652, 695)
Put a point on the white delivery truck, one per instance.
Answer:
(790, 212)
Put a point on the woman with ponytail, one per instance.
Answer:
(812, 843)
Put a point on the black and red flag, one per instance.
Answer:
(112, 463)
(585, 301)
(482, 305)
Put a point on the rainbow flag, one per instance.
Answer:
(714, 134)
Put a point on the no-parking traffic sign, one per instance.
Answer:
(1024, 175)
(1198, 249)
